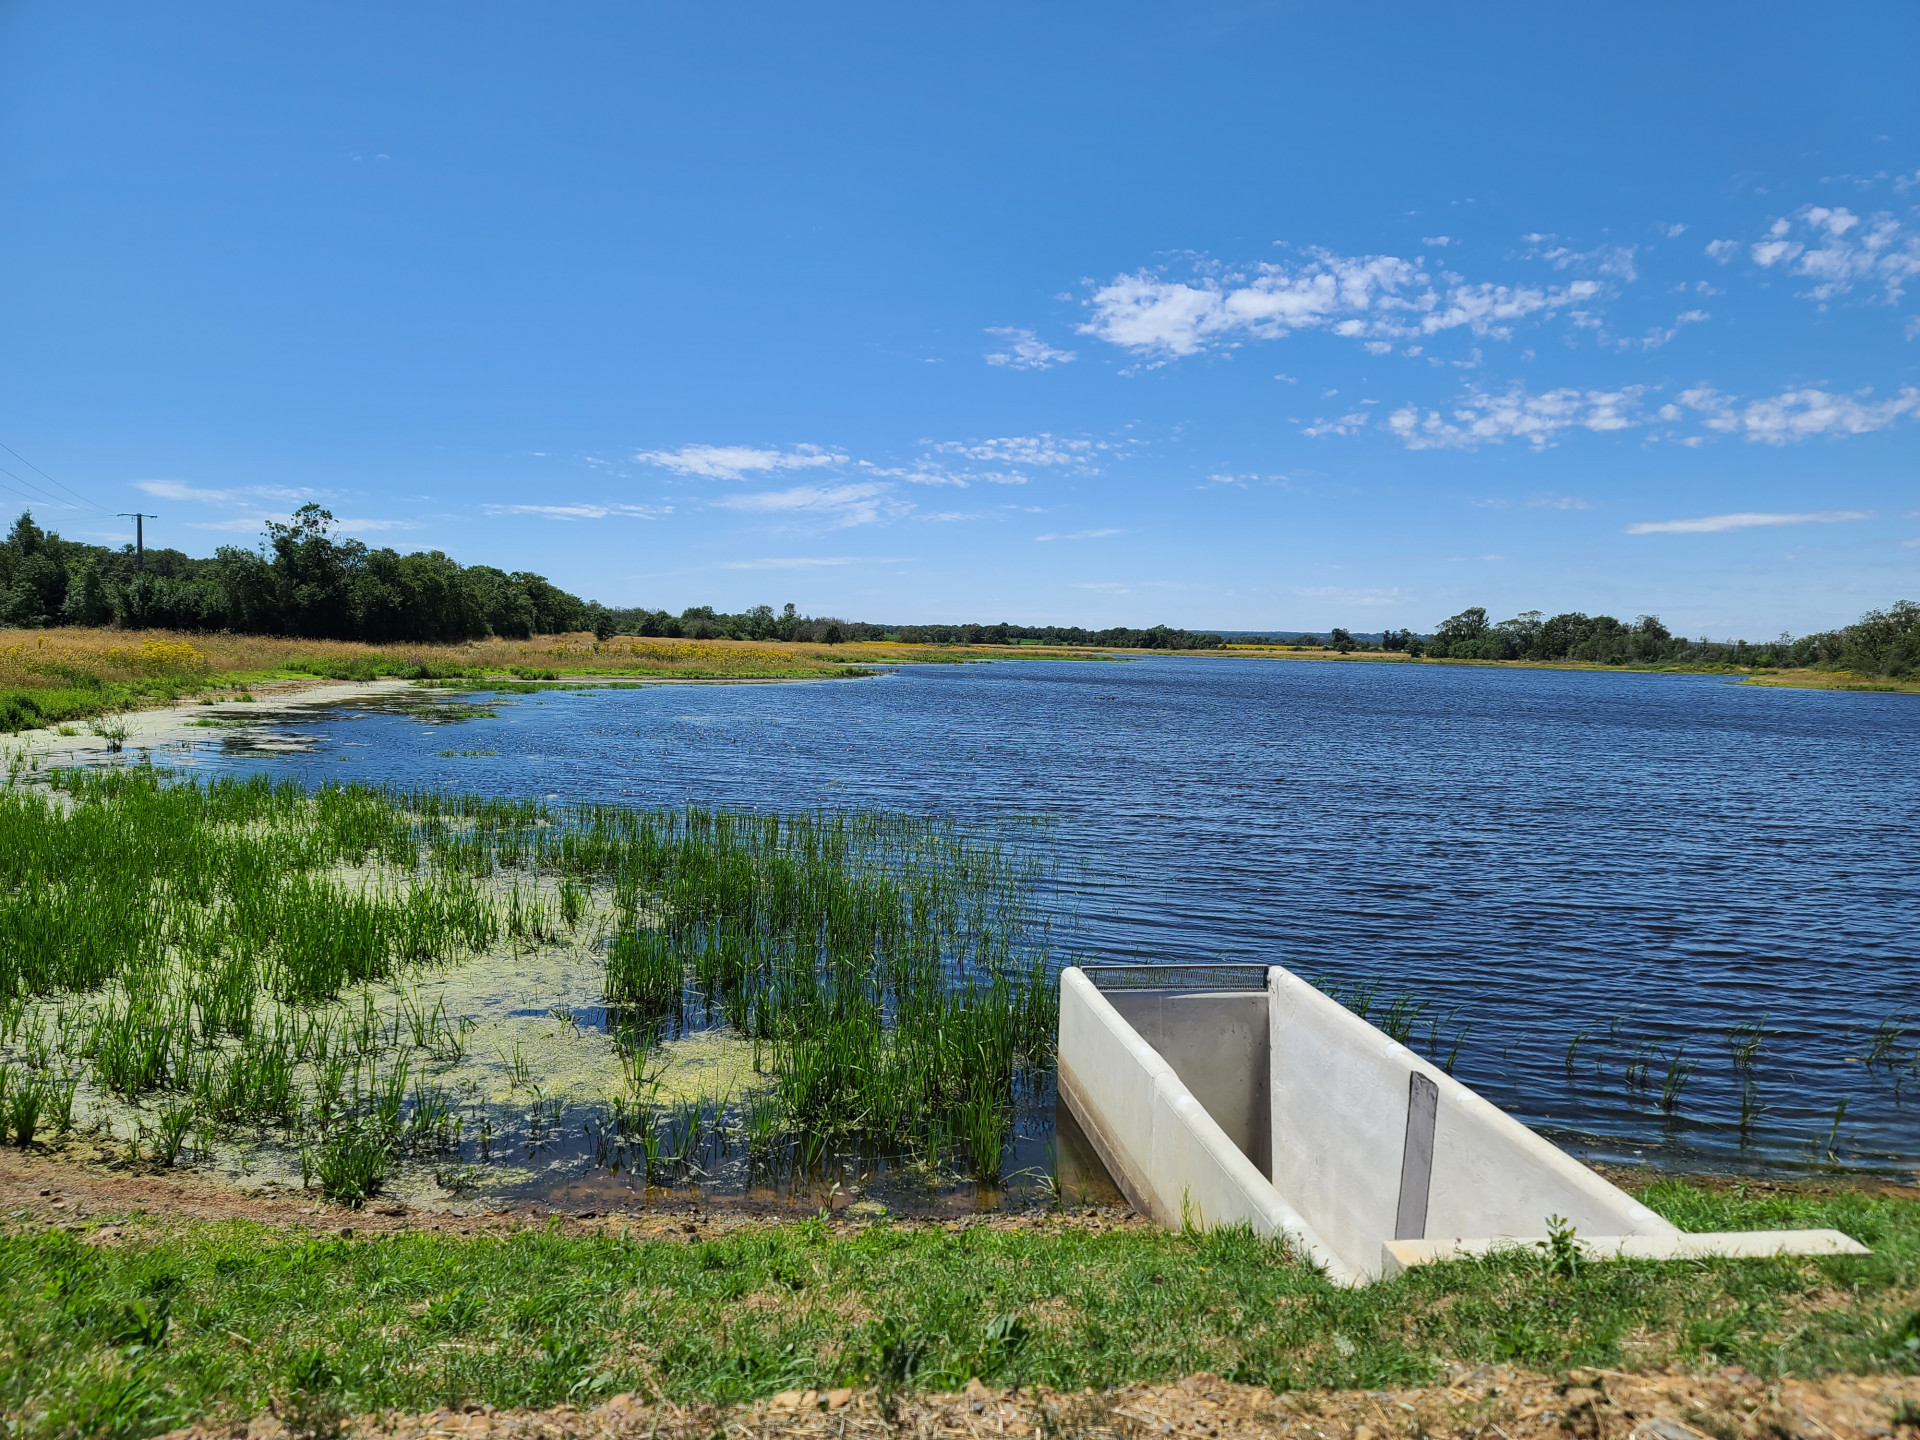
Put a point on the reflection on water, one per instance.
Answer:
(1603, 877)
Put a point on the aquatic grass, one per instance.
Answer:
(1679, 1071)
(352, 1163)
(220, 943)
(1745, 1040)
(1883, 1047)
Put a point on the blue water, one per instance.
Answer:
(1648, 858)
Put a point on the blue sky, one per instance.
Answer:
(1219, 315)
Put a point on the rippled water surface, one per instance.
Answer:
(1648, 859)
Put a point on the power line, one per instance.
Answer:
(101, 509)
(35, 494)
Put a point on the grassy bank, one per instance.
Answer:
(1797, 679)
(69, 675)
(151, 1329)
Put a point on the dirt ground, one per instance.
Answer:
(1486, 1403)
(87, 1183)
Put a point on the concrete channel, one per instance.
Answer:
(1239, 1094)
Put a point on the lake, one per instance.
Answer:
(1521, 857)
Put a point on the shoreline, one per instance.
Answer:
(178, 722)
(1766, 679)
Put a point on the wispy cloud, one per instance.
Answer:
(1025, 351)
(581, 512)
(1026, 451)
(808, 562)
(1363, 297)
(1798, 414)
(736, 462)
(1082, 535)
(1480, 417)
(1352, 594)
(176, 490)
(1558, 502)
(863, 503)
(1744, 520)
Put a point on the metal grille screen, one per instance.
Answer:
(1178, 977)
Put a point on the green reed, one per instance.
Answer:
(211, 946)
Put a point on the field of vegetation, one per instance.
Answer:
(193, 971)
(73, 674)
(160, 1326)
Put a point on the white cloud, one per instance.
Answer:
(581, 512)
(175, 490)
(1674, 232)
(1349, 424)
(805, 562)
(1005, 459)
(1558, 502)
(1366, 297)
(1714, 524)
(1082, 535)
(856, 504)
(1839, 250)
(736, 462)
(1026, 351)
(1723, 250)
(1657, 337)
(1441, 241)
(1352, 595)
(1479, 417)
(1799, 414)
(1611, 260)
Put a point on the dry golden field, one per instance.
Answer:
(52, 676)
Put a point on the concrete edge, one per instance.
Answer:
(1469, 1102)
(1398, 1256)
(1266, 1210)
(1122, 1172)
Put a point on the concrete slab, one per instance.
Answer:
(1398, 1256)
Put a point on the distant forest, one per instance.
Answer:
(1881, 642)
(304, 580)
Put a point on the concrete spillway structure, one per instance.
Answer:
(1243, 1095)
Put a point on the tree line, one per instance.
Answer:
(1881, 642)
(305, 580)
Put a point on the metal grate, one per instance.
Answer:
(1178, 976)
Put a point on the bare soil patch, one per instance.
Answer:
(1485, 1403)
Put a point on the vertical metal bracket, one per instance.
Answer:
(1416, 1160)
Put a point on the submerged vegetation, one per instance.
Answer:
(208, 961)
(159, 1328)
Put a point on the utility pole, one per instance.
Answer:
(139, 538)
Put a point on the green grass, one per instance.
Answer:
(129, 1339)
(35, 709)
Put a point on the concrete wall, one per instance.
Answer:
(1167, 1154)
(1217, 1044)
(1347, 1158)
